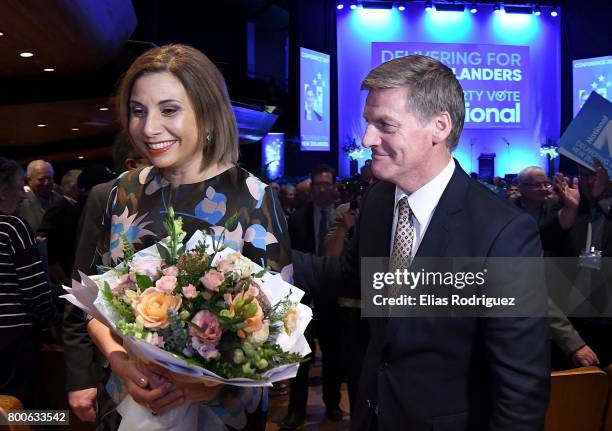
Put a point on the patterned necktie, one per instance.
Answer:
(403, 240)
(322, 231)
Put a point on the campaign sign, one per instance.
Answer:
(495, 78)
(589, 135)
(591, 74)
(314, 100)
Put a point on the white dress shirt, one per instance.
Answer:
(423, 203)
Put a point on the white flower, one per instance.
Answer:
(261, 336)
(242, 267)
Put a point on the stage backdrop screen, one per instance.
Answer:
(508, 66)
(591, 74)
(314, 100)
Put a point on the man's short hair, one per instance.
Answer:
(525, 172)
(322, 169)
(432, 89)
(69, 179)
(123, 149)
(34, 164)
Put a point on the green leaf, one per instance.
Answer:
(163, 252)
(144, 281)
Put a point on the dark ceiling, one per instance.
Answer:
(89, 45)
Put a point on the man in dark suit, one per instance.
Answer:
(80, 356)
(440, 373)
(307, 230)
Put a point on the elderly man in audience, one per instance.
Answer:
(587, 238)
(553, 217)
(40, 197)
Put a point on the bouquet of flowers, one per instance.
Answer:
(200, 310)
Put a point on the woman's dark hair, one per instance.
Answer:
(8, 169)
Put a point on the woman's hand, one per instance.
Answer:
(145, 386)
(189, 391)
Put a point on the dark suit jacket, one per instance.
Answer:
(301, 229)
(467, 374)
(79, 350)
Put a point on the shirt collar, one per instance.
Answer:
(423, 202)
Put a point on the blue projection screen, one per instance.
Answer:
(509, 66)
(314, 100)
(591, 74)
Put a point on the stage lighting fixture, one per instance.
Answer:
(340, 5)
(428, 6)
(537, 11)
(497, 8)
(401, 7)
(473, 8)
(353, 5)
(450, 7)
(554, 12)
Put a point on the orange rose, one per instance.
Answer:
(153, 307)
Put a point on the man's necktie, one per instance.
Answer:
(403, 241)
(322, 231)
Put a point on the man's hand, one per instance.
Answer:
(83, 403)
(585, 357)
(569, 193)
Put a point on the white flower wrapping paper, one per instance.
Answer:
(87, 296)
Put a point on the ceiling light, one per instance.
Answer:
(473, 8)
(75, 129)
(554, 12)
(353, 5)
(401, 7)
(26, 54)
(340, 5)
(537, 11)
(49, 69)
(497, 8)
(103, 109)
(80, 157)
(428, 6)
(1, 34)
(41, 125)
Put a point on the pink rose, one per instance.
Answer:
(189, 291)
(209, 330)
(166, 284)
(171, 270)
(212, 280)
(149, 265)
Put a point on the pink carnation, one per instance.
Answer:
(189, 291)
(209, 330)
(171, 270)
(166, 284)
(212, 280)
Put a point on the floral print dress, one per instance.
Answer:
(139, 206)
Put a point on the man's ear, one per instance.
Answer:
(442, 126)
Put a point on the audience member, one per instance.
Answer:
(25, 297)
(307, 230)
(41, 196)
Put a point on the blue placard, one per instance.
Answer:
(589, 136)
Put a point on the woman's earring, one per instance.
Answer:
(208, 137)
